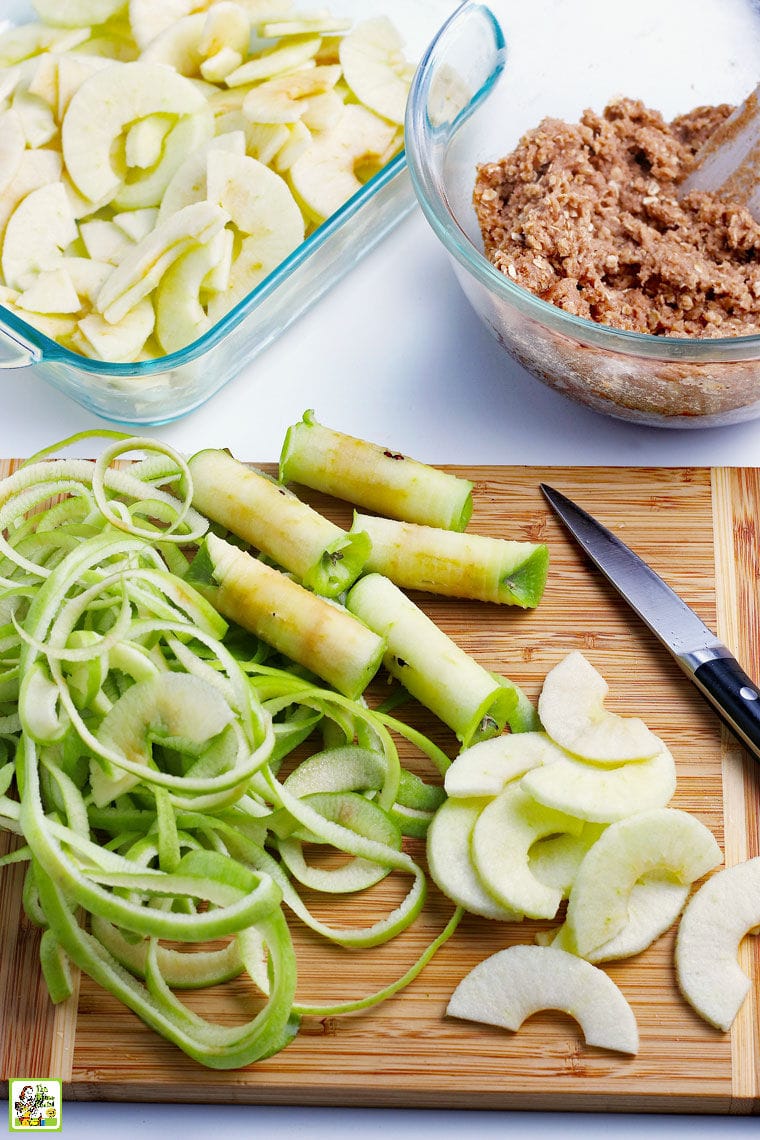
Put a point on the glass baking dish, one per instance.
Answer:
(158, 391)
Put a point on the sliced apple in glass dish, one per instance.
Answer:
(375, 68)
(39, 230)
(125, 93)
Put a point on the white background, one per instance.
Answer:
(394, 354)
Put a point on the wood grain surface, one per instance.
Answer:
(698, 529)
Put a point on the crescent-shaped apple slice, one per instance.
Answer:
(324, 176)
(40, 228)
(517, 982)
(143, 267)
(266, 216)
(375, 67)
(602, 794)
(503, 835)
(717, 917)
(449, 862)
(180, 314)
(121, 342)
(485, 768)
(571, 709)
(653, 906)
(122, 93)
(77, 13)
(663, 841)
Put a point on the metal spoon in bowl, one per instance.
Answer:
(729, 162)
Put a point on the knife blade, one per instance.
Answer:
(700, 653)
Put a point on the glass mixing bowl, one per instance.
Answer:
(490, 74)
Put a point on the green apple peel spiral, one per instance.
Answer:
(140, 743)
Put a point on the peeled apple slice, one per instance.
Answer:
(87, 275)
(262, 140)
(664, 841)
(227, 27)
(145, 140)
(26, 40)
(120, 342)
(512, 984)
(38, 231)
(188, 183)
(263, 210)
(37, 168)
(191, 42)
(375, 68)
(275, 61)
(177, 45)
(44, 82)
(717, 917)
(145, 189)
(148, 19)
(297, 142)
(144, 266)
(604, 794)
(104, 240)
(555, 860)
(284, 98)
(449, 862)
(137, 224)
(77, 13)
(180, 315)
(73, 68)
(571, 709)
(320, 23)
(52, 291)
(37, 119)
(324, 176)
(485, 768)
(12, 146)
(654, 905)
(323, 111)
(122, 94)
(503, 835)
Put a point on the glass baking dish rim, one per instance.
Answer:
(43, 348)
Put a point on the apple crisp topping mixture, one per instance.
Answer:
(586, 216)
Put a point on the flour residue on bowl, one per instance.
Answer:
(587, 217)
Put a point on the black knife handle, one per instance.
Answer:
(735, 697)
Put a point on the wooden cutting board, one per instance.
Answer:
(698, 528)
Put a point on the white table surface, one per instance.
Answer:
(394, 354)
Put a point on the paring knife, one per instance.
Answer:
(702, 656)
